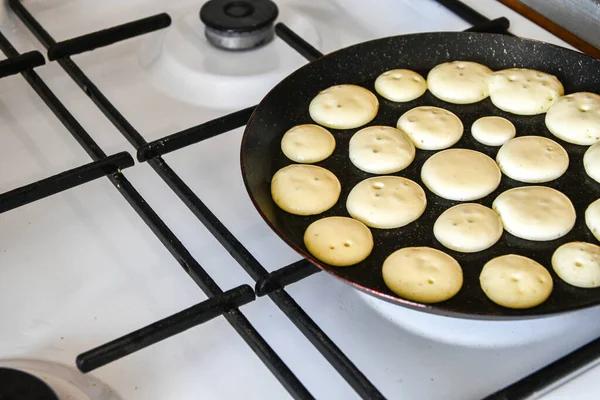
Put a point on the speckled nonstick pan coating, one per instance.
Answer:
(287, 105)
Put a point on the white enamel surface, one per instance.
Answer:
(81, 268)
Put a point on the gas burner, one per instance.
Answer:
(239, 24)
(15, 384)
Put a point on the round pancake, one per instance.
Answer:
(514, 281)
(344, 107)
(459, 82)
(307, 143)
(493, 131)
(524, 91)
(575, 118)
(431, 128)
(338, 241)
(468, 228)
(422, 274)
(591, 162)
(386, 202)
(460, 174)
(381, 150)
(578, 264)
(592, 218)
(536, 213)
(400, 85)
(532, 159)
(305, 189)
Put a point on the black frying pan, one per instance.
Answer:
(287, 105)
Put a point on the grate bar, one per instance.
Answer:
(235, 318)
(108, 36)
(63, 181)
(553, 375)
(465, 12)
(296, 42)
(195, 134)
(165, 328)
(498, 25)
(285, 276)
(23, 62)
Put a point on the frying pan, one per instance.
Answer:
(287, 105)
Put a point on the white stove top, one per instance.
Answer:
(81, 268)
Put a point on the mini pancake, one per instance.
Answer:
(515, 281)
(338, 241)
(431, 128)
(400, 85)
(305, 189)
(592, 218)
(575, 118)
(535, 213)
(381, 150)
(344, 107)
(386, 202)
(307, 143)
(591, 162)
(468, 228)
(460, 174)
(422, 274)
(459, 82)
(578, 264)
(524, 91)
(532, 159)
(493, 131)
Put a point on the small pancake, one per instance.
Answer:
(591, 162)
(575, 118)
(493, 131)
(468, 228)
(386, 202)
(305, 189)
(400, 85)
(592, 218)
(524, 91)
(381, 150)
(532, 159)
(459, 82)
(422, 274)
(535, 213)
(578, 264)
(307, 143)
(338, 241)
(344, 107)
(460, 174)
(514, 281)
(431, 128)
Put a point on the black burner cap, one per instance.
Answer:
(18, 385)
(238, 15)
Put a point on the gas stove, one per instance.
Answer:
(95, 291)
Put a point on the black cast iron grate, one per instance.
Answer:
(218, 303)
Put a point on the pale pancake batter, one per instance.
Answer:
(515, 281)
(338, 241)
(400, 85)
(381, 150)
(535, 213)
(431, 128)
(305, 189)
(422, 274)
(344, 107)
(460, 174)
(524, 91)
(386, 202)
